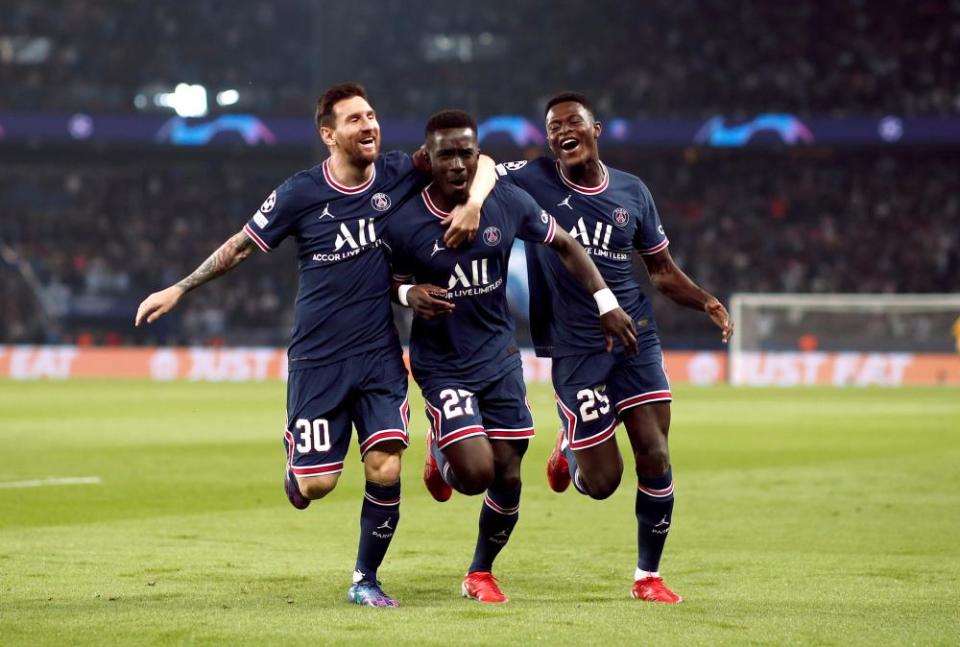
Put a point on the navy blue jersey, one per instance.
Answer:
(610, 221)
(343, 299)
(475, 343)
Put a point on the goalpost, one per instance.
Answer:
(845, 339)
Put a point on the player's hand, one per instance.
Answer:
(421, 160)
(429, 301)
(718, 314)
(462, 224)
(158, 304)
(617, 324)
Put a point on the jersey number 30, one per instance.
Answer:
(314, 435)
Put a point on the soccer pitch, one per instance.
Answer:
(802, 517)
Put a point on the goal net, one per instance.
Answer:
(845, 339)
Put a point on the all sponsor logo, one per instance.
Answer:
(597, 241)
(472, 280)
(491, 236)
(380, 201)
(621, 217)
(365, 234)
(269, 203)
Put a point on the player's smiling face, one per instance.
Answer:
(356, 131)
(572, 133)
(453, 161)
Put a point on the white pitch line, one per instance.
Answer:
(65, 480)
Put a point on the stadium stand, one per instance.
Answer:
(686, 58)
(99, 238)
(83, 241)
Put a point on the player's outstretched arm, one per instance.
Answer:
(670, 280)
(613, 320)
(462, 224)
(237, 248)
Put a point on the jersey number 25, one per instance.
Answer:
(593, 403)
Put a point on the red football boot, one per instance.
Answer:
(432, 477)
(558, 470)
(482, 586)
(653, 589)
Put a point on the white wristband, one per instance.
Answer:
(402, 294)
(606, 300)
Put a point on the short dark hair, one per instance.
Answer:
(563, 97)
(449, 119)
(333, 95)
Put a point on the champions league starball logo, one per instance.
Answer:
(380, 201)
(621, 217)
(491, 236)
(268, 204)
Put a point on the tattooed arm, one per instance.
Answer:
(237, 248)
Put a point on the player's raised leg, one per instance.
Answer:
(586, 448)
(317, 434)
(468, 465)
(648, 426)
(458, 452)
(498, 517)
(595, 471)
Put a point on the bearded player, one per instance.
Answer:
(463, 351)
(612, 215)
(345, 364)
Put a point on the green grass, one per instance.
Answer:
(802, 517)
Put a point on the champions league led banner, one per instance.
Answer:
(764, 130)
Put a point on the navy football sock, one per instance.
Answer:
(498, 516)
(654, 509)
(571, 457)
(446, 470)
(378, 521)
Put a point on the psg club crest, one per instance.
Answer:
(621, 217)
(491, 236)
(269, 203)
(380, 201)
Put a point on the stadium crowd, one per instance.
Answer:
(98, 238)
(678, 58)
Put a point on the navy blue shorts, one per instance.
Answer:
(593, 390)
(499, 410)
(368, 391)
